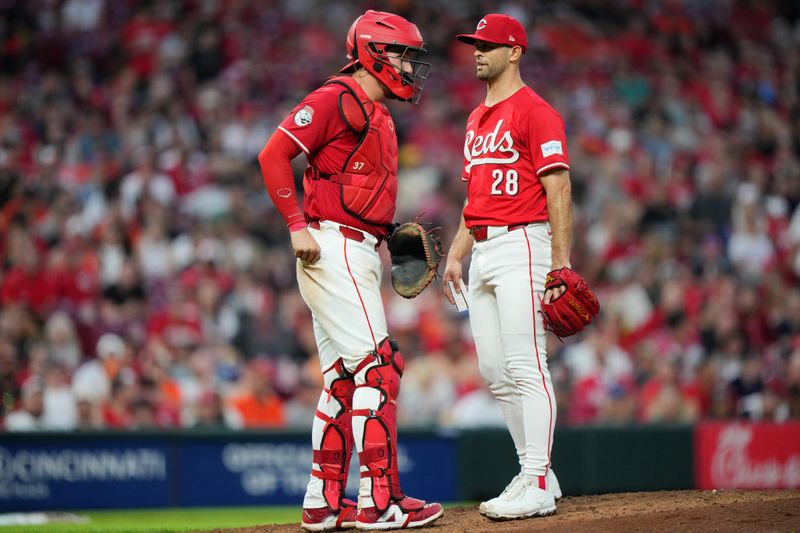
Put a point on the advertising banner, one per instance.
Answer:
(83, 475)
(747, 456)
(40, 472)
(271, 472)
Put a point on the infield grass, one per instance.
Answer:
(167, 520)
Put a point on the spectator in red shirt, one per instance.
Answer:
(29, 284)
(142, 38)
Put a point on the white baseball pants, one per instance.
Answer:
(506, 282)
(342, 290)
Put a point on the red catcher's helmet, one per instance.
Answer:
(375, 33)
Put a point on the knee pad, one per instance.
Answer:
(335, 410)
(382, 369)
(377, 387)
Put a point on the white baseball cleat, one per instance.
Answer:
(516, 485)
(532, 501)
(511, 491)
(553, 487)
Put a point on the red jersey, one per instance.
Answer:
(317, 127)
(507, 147)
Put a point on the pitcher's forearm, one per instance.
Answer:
(462, 243)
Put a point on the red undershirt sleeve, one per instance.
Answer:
(276, 168)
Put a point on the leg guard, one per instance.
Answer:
(332, 454)
(375, 424)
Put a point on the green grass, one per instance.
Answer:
(168, 520)
(174, 520)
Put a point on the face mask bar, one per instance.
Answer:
(407, 54)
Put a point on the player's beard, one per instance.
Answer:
(488, 72)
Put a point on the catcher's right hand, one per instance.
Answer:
(305, 246)
(574, 309)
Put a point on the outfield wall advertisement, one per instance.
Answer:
(253, 473)
(52, 471)
(74, 471)
(90, 474)
(747, 456)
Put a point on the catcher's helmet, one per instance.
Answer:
(372, 35)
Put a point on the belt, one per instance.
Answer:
(347, 232)
(481, 233)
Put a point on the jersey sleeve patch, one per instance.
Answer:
(314, 121)
(304, 116)
(552, 148)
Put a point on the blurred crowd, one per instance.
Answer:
(146, 280)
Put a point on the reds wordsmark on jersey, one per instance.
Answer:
(316, 125)
(506, 148)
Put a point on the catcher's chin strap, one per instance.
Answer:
(377, 387)
(336, 446)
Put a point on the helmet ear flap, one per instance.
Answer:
(379, 51)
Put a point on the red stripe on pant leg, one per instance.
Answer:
(536, 346)
(358, 292)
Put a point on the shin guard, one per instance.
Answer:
(374, 410)
(332, 454)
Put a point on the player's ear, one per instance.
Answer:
(515, 55)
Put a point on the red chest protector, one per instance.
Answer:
(368, 179)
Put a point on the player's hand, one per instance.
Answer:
(554, 293)
(551, 295)
(304, 246)
(452, 272)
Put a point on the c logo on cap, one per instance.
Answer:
(481, 24)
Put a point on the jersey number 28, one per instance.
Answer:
(511, 179)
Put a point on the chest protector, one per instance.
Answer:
(368, 179)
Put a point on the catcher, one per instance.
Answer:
(517, 222)
(350, 185)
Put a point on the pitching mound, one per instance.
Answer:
(653, 512)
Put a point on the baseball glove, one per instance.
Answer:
(574, 309)
(415, 256)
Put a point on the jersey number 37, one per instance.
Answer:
(505, 182)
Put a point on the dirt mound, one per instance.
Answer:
(653, 512)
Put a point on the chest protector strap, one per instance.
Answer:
(367, 182)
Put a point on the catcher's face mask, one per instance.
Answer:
(372, 36)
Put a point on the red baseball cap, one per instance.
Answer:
(498, 29)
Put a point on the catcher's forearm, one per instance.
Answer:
(276, 168)
(559, 209)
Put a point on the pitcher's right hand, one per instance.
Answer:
(452, 272)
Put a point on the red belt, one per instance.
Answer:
(348, 233)
(481, 233)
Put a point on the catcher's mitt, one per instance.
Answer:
(415, 258)
(574, 309)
